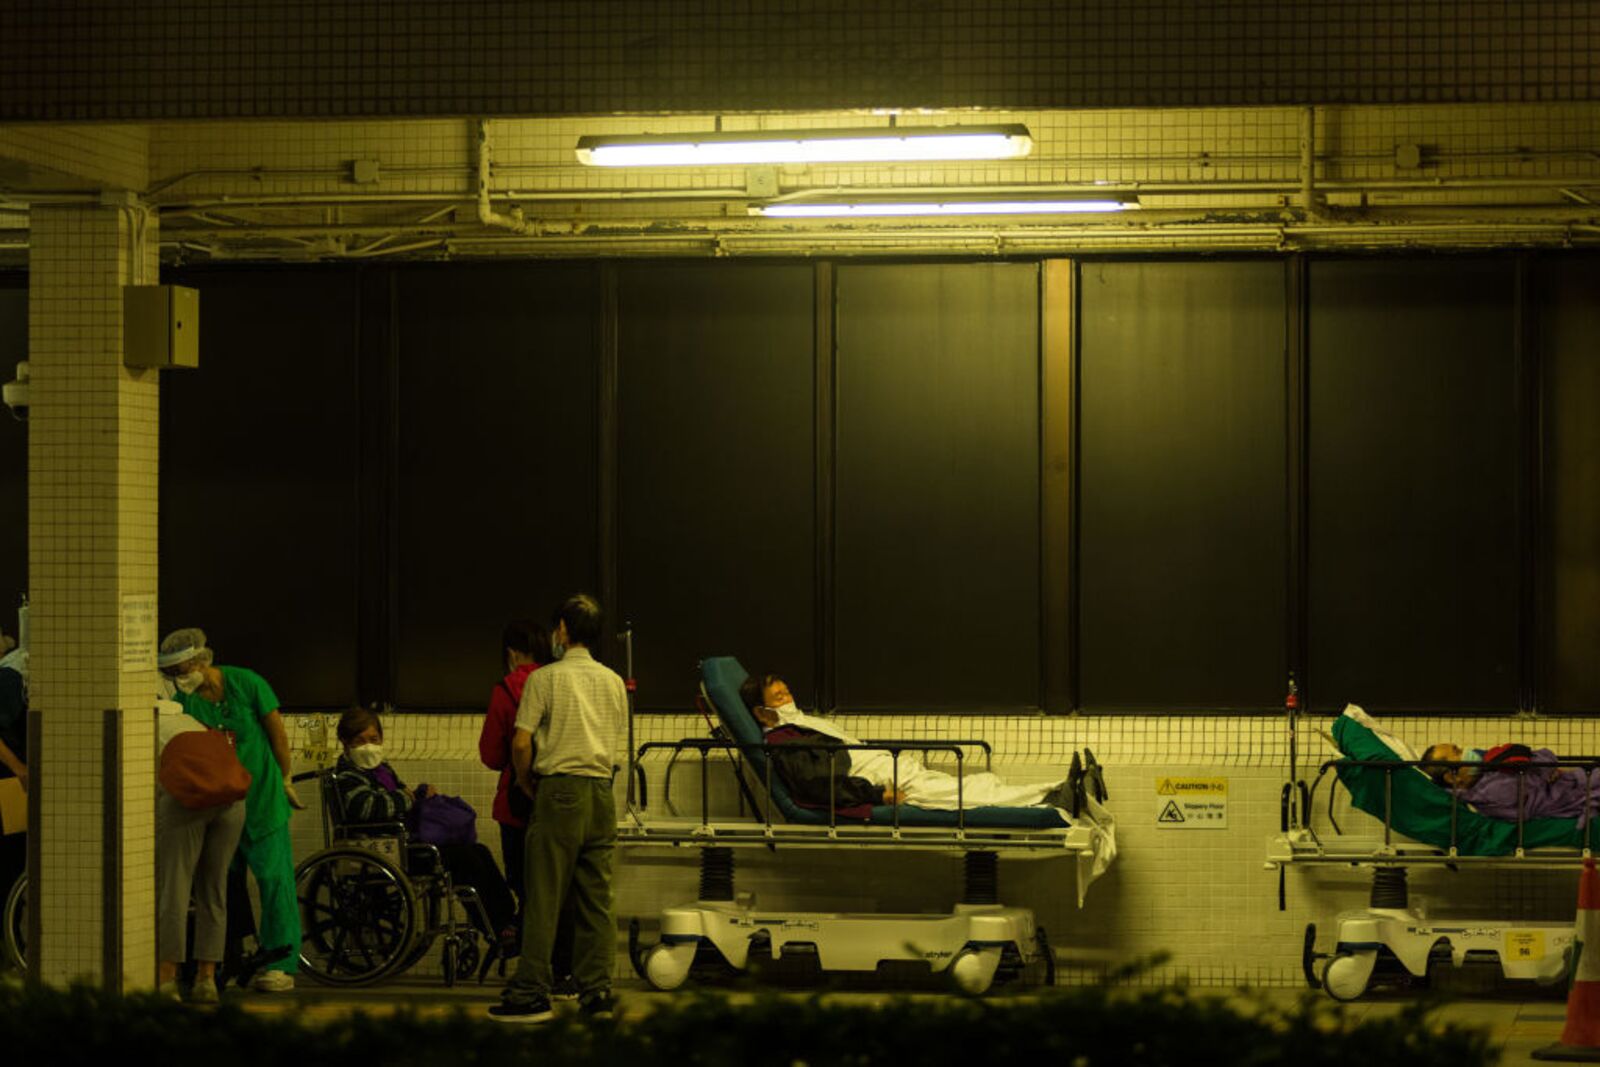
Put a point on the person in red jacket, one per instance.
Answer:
(526, 645)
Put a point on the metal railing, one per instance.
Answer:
(1589, 766)
(744, 751)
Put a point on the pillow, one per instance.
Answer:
(1401, 750)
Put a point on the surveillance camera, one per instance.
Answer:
(15, 394)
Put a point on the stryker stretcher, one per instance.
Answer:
(971, 944)
(1385, 780)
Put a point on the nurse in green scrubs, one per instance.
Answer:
(241, 701)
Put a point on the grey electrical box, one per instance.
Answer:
(160, 326)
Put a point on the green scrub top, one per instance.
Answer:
(246, 700)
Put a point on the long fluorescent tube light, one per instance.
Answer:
(880, 144)
(870, 209)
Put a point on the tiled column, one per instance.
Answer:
(92, 462)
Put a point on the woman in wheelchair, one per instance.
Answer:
(371, 792)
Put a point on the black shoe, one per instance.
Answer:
(597, 1006)
(1093, 777)
(565, 989)
(1074, 788)
(536, 1010)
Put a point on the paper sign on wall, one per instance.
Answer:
(138, 632)
(1192, 803)
(1524, 945)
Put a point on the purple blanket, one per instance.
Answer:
(1547, 791)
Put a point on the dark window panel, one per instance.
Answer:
(1567, 310)
(717, 541)
(1413, 485)
(496, 499)
(938, 486)
(1182, 511)
(259, 480)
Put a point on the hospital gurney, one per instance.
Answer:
(1423, 825)
(974, 943)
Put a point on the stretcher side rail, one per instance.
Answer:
(1300, 843)
(705, 832)
(704, 745)
(689, 833)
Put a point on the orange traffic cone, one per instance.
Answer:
(1580, 1038)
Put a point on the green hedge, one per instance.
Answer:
(1058, 1028)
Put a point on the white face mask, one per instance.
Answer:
(786, 712)
(366, 757)
(557, 649)
(188, 683)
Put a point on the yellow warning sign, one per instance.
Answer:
(1524, 945)
(1192, 803)
(1191, 787)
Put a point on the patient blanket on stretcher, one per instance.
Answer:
(1421, 810)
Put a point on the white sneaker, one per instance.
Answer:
(272, 982)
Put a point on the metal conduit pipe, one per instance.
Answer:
(1261, 239)
(486, 212)
(18, 200)
(1308, 161)
(1426, 217)
(1285, 187)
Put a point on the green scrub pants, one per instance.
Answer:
(271, 860)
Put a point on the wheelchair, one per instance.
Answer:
(373, 902)
(14, 916)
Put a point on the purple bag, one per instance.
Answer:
(439, 820)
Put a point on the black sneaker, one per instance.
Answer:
(597, 1006)
(1075, 794)
(565, 989)
(536, 1010)
(1093, 778)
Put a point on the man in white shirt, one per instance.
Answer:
(570, 736)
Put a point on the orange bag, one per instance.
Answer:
(200, 770)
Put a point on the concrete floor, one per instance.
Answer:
(1517, 1027)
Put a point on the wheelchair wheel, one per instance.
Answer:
(358, 916)
(15, 930)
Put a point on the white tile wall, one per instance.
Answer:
(1204, 897)
(114, 155)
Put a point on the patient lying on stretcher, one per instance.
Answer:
(858, 779)
(1553, 793)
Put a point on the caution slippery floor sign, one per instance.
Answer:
(1192, 803)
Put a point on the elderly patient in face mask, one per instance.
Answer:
(371, 792)
(862, 778)
(1490, 781)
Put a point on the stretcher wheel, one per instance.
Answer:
(468, 958)
(14, 934)
(970, 973)
(666, 966)
(1345, 976)
(358, 916)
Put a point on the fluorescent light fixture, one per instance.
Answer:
(882, 209)
(880, 144)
